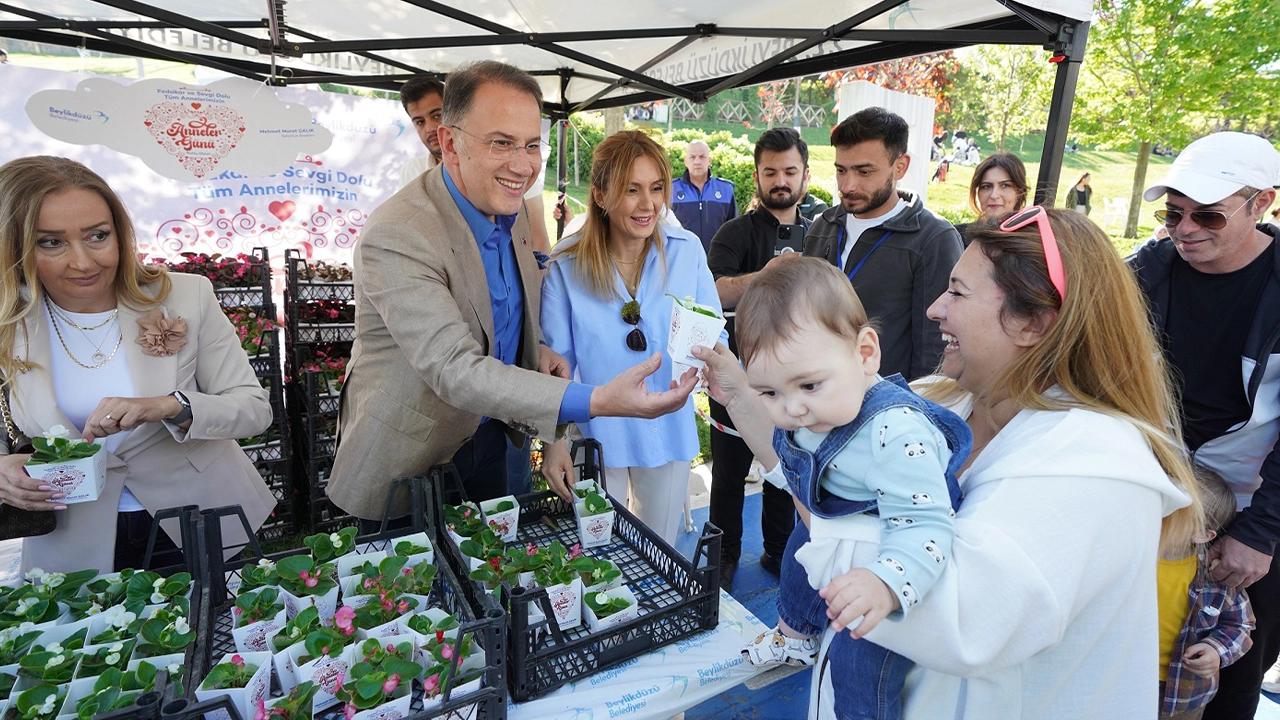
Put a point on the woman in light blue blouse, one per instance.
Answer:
(606, 305)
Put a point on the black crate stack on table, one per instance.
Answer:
(243, 286)
(319, 306)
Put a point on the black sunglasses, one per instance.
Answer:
(631, 316)
(1207, 219)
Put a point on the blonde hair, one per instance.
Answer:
(1217, 500)
(785, 295)
(611, 165)
(1101, 350)
(24, 185)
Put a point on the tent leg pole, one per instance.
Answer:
(1055, 135)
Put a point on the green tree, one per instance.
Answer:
(1168, 70)
(1002, 90)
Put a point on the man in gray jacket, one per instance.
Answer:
(897, 254)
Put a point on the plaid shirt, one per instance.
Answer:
(1218, 616)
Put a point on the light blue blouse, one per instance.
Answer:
(589, 332)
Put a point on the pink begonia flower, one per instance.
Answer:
(348, 711)
(391, 648)
(343, 618)
(261, 712)
(431, 685)
(402, 607)
(312, 581)
(446, 651)
(575, 551)
(237, 661)
(391, 684)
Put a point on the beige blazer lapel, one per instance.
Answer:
(460, 241)
(152, 376)
(531, 279)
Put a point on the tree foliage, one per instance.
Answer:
(1002, 89)
(928, 75)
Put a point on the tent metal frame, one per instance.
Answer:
(1064, 37)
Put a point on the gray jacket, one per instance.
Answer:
(898, 282)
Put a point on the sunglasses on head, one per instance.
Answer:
(1207, 219)
(631, 316)
(1048, 241)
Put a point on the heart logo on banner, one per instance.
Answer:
(198, 136)
(282, 210)
(67, 479)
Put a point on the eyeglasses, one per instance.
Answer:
(1048, 241)
(1207, 219)
(504, 149)
(631, 316)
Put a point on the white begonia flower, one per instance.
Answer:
(26, 627)
(55, 661)
(174, 668)
(336, 539)
(123, 620)
(602, 598)
(47, 707)
(94, 608)
(25, 604)
(34, 574)
(156, 598)
(116, 647)
(266, 564)
(54, 648)
(181, 626)
(53, 580)
(157, 584)
(55, 432)
(113, 658)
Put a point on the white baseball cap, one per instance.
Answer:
(1218, 165)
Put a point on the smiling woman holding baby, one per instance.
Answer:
(606, 305)
(133, 356)
(1045, 606)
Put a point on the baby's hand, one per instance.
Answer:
(856, 594)
(1202, 659)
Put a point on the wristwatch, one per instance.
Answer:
(184, 414)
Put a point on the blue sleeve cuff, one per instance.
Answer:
(575, 406)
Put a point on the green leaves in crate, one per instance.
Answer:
(327, 546)
(295, 706)
(7, 681)
(60, 449)
(423, 625)
(372, 686)
(234, 673)
(323, 641)
(406, 548)
(94, 662)
(49, 665)
(123, 623)
(561, 565)
(483, 545)
(14, 643)
(40, 702)
(108, 695)
(29, 609)
(143, 677)
(602, 571)
(302, 576)
(53, 585)
(603, 604)
(383, 610)
(390, 576)
(162, 636)
(376, 651)
(503, 506)
(152, 588)
(593, 503)
(296, 629)
(254, 606)
(463, 519)
(256, 575)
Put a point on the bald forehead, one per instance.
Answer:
(697, 147)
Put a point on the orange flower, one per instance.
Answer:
(161, 336)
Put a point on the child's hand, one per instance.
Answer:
(1202, 659)
(856, 594)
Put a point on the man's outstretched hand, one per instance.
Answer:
(626, 396)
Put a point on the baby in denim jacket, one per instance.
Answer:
(872, 467)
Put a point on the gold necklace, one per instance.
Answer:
(67, 319)
(97, 344)
(98, 358)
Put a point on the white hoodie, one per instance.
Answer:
(1047, 608)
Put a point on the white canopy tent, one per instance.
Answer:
(586, 53)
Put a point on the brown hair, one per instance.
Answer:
(788, 293)
(460, 88)
(1007, 162)
(24, 184)
(1217, 500)
(611, 165)
(1100, 350)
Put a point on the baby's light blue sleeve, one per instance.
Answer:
(908, 475)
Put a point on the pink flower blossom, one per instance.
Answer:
(530, 550)
(261, 712)
(368, 583)
(311, 581)
(391, 648)
(237, 611)
(343, 619)
(446, 651)
(348, 711)
(431, 684)
(391, 684)
(407, 571)
(575, 551)
(237, 661)
(402, 607)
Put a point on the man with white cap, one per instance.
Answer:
(1213, 287)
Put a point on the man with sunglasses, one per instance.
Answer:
(1213, 287)
(448, 361)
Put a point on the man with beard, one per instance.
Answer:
(897, 254)
(739, 251)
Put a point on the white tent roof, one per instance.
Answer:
(609, 53)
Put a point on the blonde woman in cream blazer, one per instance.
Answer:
(171, 439)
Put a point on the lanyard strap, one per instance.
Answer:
(840, 250)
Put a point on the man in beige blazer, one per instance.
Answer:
(447, 357)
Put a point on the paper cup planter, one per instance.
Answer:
(630, 612)
(392, 709)
(256, 636)
(691, 326)
(506, 521)
(81, 479)
(566, 603)
(416, 540)
(323, 671)
(245, 699)
(594, 530)
(326, 604)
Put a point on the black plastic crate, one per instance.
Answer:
(677, 597)
(487, 627)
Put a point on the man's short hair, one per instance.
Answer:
(1216, 499)
(786, 295)
(781, 140)
(418, 88)
(873, 123)
(463, 83)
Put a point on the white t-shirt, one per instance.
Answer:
(77, 389)
(854, 227)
